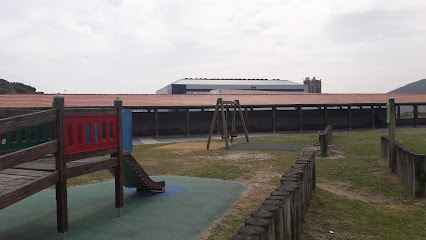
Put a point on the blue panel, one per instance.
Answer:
(127, 132)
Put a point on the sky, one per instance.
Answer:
(112, 46)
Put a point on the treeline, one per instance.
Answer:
(15, 87)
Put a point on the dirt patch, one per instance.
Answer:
(193, 146)
(342, 189)
(239, 157)
(331, 153)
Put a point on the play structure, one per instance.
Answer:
(221, 111)
(39, 149)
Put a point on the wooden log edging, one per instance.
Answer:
(281, 214)
(325, 138)
(410, 166)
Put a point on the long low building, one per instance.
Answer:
(186, 114)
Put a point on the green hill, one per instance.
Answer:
(15, 87)
(414, 87)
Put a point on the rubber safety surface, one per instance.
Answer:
(184, 211)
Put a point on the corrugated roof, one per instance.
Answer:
(185, 100)
(235, 81)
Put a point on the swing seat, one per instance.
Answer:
(223, 135)
(234, 133)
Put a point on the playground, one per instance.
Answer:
(207, 194)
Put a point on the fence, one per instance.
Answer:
(281, 213)
(325, 138)
(410, 166)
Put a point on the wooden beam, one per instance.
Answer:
(225, 128)
(156, 122)
(101, 152)
(89, 167)
(27, 120)
(242, 120)
(16, 112)
(274, 116)
(299, 119)
(60, 165)
(416, 115)
(28, 154)
(217, 124)
(349, 117)
(119, 194)
(372, 117)
(188, 130)
(214, 119)
(89, 111)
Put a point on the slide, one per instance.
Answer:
(135, 177)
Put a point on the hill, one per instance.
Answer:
(15, 87)
(414, 87)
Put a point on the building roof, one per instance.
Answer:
(235, 81)
(208, 100)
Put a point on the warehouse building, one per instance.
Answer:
(212, 85)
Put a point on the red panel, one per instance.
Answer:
(82, 138)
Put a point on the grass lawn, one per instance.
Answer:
(356, 197)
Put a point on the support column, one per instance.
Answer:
(217, 124)
(398, 111)
(349, 117)
(274, 115)
(372, 117)
(188, 130)
(392, 154)
(325, 117)
(119, 198)
(60, 166)
(299, 120)
(156, 122)
(416, 115)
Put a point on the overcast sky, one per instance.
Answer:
(141, 46)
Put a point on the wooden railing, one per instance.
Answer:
(26, 122)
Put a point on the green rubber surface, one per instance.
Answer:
(188, 207)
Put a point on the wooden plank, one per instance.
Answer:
(28, 154)
(77, 168)
(27, 120)
(28, 189)
(214, 119)
(21, 172)
(10, 112)
(38, 165)
(101, 152)
(89, 111)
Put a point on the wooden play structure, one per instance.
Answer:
(39, 149)
(221, 111)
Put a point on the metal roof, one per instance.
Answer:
(235, 81)
(208, 100)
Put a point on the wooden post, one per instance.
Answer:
(156, 121)
(246, 116)
(243, 122)
(349, 117)
(217, 124)
(118, 104)
(225, 129)
(187, 122)
(392, 154)
(214, 119)
(274, 115)
(300, 120)
(416, 115)
(372, 116)
(60, 163)
(325, 117)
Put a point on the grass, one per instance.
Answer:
(354, 160)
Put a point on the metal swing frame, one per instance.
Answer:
(220, 105)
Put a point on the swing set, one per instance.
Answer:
(223, 108)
